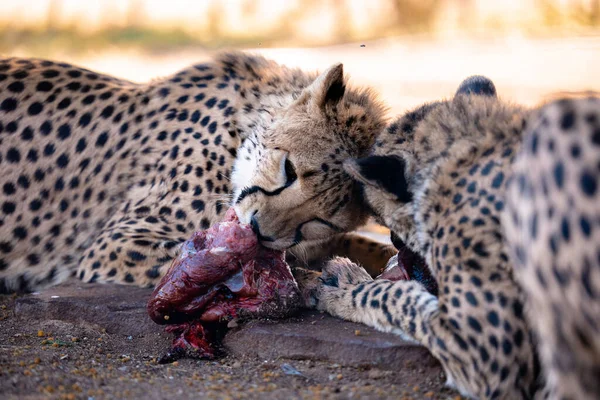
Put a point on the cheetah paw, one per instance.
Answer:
(334, 289)
(308, 282)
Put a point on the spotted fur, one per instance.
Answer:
(105, 178)
(502, 202)
(553, 229)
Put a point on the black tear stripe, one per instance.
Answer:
(298, 237)
(255, 189)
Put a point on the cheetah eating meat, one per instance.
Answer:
(222, 273)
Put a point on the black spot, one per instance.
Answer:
(102, 138)
(23, 181)
(16, 87)
(33, 259)
(586, 227)
(5, 247)
(81, 145)
(471, 299)
(498, 179)
(568, 120)
(35, 108)
(44, 86)
(474, 324)
(198, 205)
(46, 128)
(9, 188)
(559, 175)
(8, 105)
(62, 161)
(588, 183)
(211, 102)
(11, 127)
(105, 95)
(487, 168)
(64, 131)
(153, 272)
(107, 112)
(85, 120)
(35, 205)
(89, 99)
(136, 256)
(13, 155)
(20, 232)
(74, 86)
(49, 149)
(64, 103)
(212, 128)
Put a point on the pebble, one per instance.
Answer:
(232, 324)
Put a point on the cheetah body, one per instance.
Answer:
(104, 178)
(438, 177)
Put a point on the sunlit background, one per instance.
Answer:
(410, 51)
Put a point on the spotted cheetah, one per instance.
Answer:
(552, 226)
(104, 178)
(500, 201)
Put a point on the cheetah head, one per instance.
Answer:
(406, 152)
(288, 180)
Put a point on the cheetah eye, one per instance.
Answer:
(290, 172)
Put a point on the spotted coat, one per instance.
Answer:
(104, 178)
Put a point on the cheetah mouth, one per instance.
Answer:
(407, 265)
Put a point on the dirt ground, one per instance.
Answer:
(54, 359)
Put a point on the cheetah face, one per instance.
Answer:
(395, 170)
(289, 184)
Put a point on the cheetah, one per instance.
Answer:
(552, 221)
(104, 178)
(500, 202)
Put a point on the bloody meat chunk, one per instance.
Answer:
(222, 273)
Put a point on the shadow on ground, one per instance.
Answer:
(90, 340)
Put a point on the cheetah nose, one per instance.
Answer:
(254, 225)
(256, 230)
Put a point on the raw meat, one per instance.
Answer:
(221, 274)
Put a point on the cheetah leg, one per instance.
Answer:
(370, 254)
(407, 309)
(133, 249)
(551, 222)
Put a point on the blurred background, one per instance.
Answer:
(410, 51)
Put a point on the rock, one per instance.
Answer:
(114, 308)
(121, 310)
(317, 336)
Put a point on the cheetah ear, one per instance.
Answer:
(387, 173)
(477, 85)
(328, 89)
